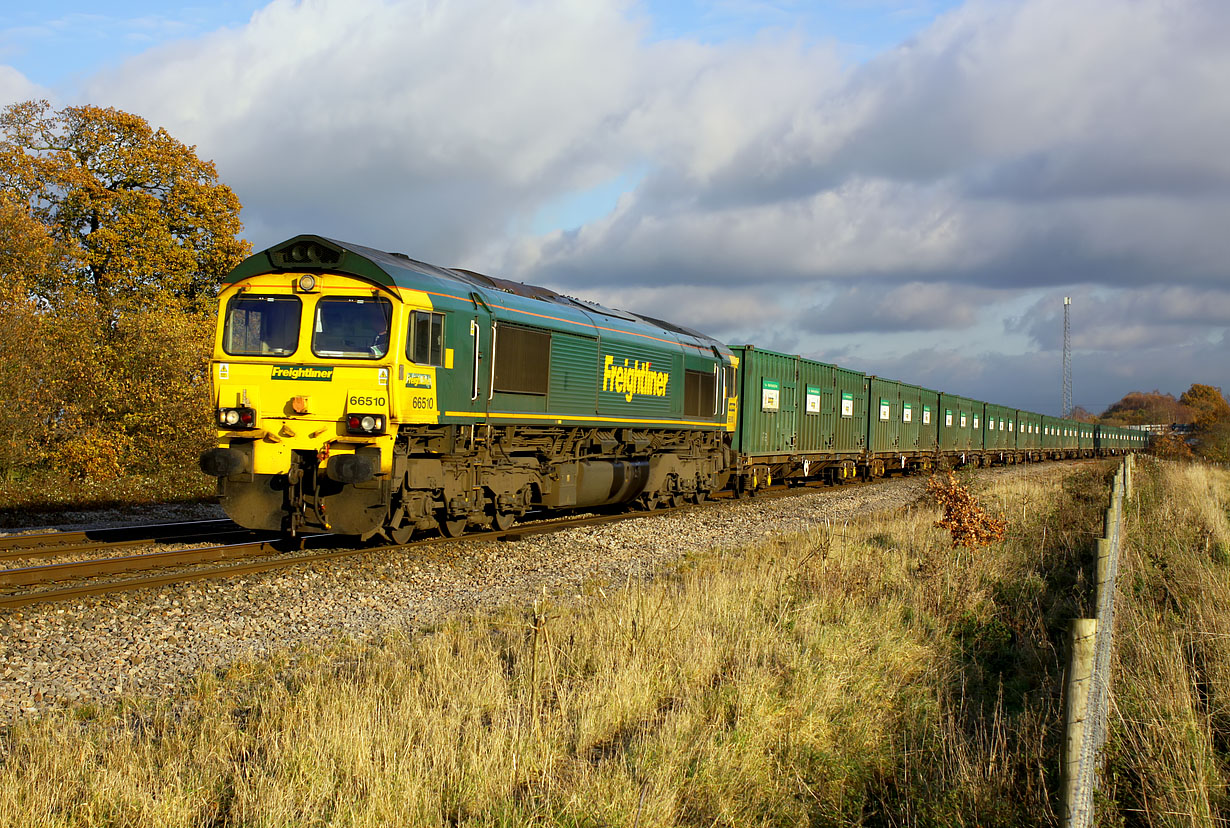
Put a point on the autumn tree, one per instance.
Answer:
(147, 220)
(1207, 405)
(1144, 408)
(1211, 418)
(28, 255)
(1171, 446)
(113, 238)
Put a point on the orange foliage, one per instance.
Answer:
(1207, 405)
(113, 237)
(1143, 408)
(145, 217)
(1171, 447)
(969, 525)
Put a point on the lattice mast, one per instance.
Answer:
(1067, 358)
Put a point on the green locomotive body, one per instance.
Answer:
(366, 393)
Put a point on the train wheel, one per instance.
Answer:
(402, 533)
(452, 528)
(503, 521)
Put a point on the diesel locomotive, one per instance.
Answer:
(366, 393)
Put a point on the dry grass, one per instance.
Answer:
(863, 673)
(1170, 738)
(46, 491)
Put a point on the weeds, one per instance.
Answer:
(46, 490)
(865, 673)
(1169, 748)
(969, 524)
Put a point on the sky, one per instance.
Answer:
(904, 187)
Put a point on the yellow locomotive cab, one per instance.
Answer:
(319, 365)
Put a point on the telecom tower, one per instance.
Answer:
(1067, 358)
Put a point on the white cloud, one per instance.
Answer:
(16, 87)
(1145, 318)
(1009, 147)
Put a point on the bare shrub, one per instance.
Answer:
(969, 524)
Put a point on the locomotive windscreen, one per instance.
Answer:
(262, 325)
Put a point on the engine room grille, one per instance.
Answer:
(699, 394)
(522, 360)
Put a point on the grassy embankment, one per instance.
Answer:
(45, 491)
(1169, 748)
(863, 673)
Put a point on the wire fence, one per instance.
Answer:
(1088, 687)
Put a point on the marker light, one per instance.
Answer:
(236, 418)
(365, 423)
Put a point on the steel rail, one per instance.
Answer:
(47, 573)
(61, 551)
(164, 559)
(98, 538)
(30, 576)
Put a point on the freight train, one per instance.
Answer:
(367, 393)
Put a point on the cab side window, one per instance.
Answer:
(425, 342)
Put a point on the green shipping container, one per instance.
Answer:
(928, 419)
(1029, 435)
(796, 406)
(919, 430)
(957, 432)
(884, 426)
(996, 437)
(1050, 433)
(834, 417)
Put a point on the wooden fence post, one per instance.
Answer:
(1080, 680)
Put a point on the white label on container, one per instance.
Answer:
(770, 395)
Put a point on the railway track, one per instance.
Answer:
(55, 544)
(25, 585)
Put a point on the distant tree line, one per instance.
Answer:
(113, 238)
(1204, 407)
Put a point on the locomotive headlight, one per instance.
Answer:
(365, 423)
(307, 283)
(236, 418)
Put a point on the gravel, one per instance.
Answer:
(149, 642)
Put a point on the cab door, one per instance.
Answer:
(465, 383)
